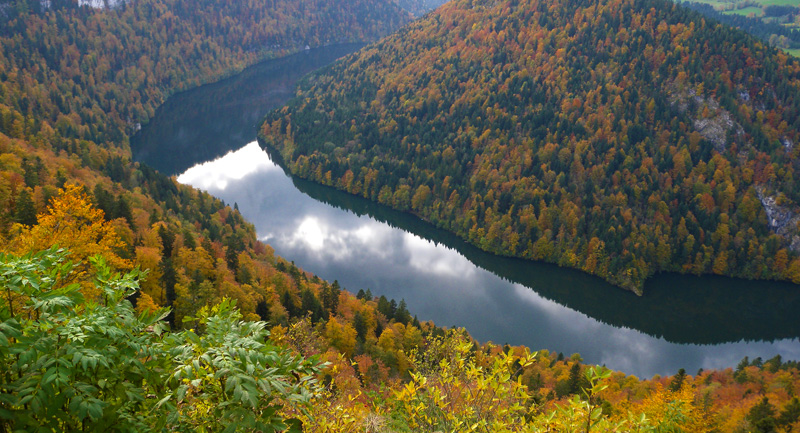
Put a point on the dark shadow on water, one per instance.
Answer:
(207, 122)
(683, 309)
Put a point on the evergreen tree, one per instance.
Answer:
(360, 325)
(330, 296)
(167, 240)
(288, 304)
(188, 239)
(31, 171)
(232, 249)
(169, 277)
(576, 381)
(311, 305)
(402, 315)
(25, 213)
(122, 209)
(262, 309)
(677, 381)
(762, 417)
(103, 200)
(378, 330)
(385, 307)
(740, 374)
(790, 413)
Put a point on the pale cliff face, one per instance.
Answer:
(100, 3)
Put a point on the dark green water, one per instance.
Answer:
(681, 321)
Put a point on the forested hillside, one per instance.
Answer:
(621, 137)
(106, 71)
(95, 246)
(76, 81)
(78, 357)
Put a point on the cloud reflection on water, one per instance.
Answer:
(429, 258)
(235, 165)
(437, 282)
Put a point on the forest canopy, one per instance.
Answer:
(133, 303)
(621, 137)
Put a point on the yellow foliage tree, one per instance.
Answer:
(149, 258)
(672, 410)
(73, 223)
(341, 336)
(145, 304)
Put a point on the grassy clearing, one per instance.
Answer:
(746, 11)
(719, 4)
(715, 3)
(795, 52)
(780, 2)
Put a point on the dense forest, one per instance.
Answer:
(130, 302)
(77, 81)
(621, 137)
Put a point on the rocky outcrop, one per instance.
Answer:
(781, 219)
(787, 144)
(715, 129)
(717, 125)
(710, 120)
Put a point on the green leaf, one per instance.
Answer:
(11, 327)
(181, 393)
(294, 425)
(49, 376)
(163, 401)
(95, 411)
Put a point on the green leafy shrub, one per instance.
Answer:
(71, 364)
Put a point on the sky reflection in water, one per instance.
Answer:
(438, 283)
(681, 321)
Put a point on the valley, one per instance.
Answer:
(432, 235)
(337, 235)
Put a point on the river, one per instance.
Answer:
(207, 137)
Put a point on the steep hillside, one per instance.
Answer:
(621, 137)
(112, 68)
(73, 365)
(76, 81)
(77, 356)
